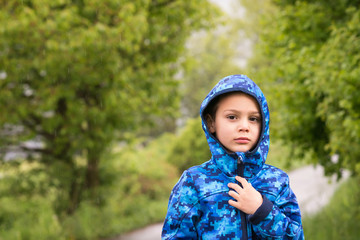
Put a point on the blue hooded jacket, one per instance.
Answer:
(198, 206)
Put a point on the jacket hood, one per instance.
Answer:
(253, 160)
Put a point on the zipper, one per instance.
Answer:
(240, 169)
(240, 172)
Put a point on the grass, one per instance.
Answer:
(340, 219)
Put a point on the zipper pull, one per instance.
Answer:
(239, 160)
(240, 168)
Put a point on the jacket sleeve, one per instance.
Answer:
(280, 219)
(182, 211)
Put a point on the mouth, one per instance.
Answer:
(242, 140)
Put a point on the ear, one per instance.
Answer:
(210, 122)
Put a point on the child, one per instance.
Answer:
(234, 195)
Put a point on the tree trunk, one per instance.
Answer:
(92, 174)
(74, 193)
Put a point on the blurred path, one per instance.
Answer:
(312, 190)
(152, 232)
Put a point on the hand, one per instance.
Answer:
(248, 199)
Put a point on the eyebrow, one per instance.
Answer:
(233, 110)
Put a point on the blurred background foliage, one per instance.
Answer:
(100, 99)
(307, 58)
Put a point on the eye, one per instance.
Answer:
(254, 119)
(231, 117)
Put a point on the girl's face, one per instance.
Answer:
(237, 123)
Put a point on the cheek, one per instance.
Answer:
(257, 131)
(226, 128)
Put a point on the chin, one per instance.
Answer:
(241, 150)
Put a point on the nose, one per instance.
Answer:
(243, 125)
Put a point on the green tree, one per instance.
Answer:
(209, 56)
(77, 75)
(306, 57)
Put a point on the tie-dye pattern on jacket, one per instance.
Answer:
(198, 206)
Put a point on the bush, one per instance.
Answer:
(28, 219)
(190, 147)
(281, 156)
(140, 193)
(136, 183)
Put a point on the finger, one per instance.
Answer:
(234, 194)
(234, 204)
(236, 187)
(243, 181)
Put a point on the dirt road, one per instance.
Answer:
(312, 189)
